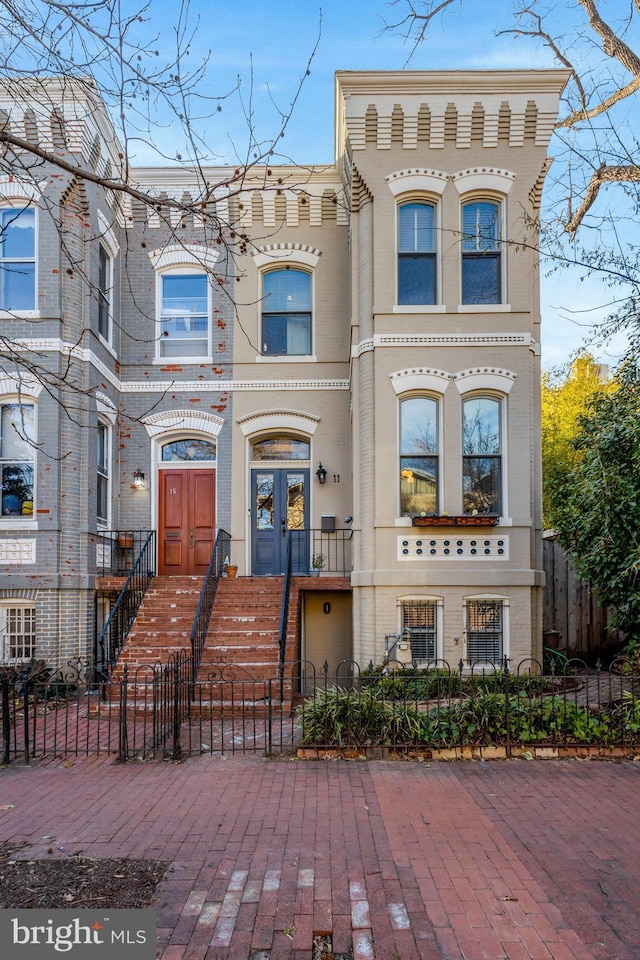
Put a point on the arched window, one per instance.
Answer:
(481, 257)
(418, 456)
(482, 456)
(17, 458)
(17, 258)
(188, 450)
(286, 313)
(417, 253)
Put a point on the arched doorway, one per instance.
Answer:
(186, 506)
(279, 502)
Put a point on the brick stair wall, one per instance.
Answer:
(244, 629)
(163, 624)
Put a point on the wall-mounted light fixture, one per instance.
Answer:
(139, 481)
(321, 473)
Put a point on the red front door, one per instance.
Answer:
(186, 521)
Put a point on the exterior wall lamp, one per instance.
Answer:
(321, 473)
(139, 481)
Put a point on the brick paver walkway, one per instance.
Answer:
(471, 861)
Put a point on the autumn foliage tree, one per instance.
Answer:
(567, 396)
(599, 524)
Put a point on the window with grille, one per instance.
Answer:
(419, 622)
(485, 631)
(17, 633)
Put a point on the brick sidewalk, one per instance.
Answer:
(469, 861)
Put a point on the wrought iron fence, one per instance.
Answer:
(157, 711)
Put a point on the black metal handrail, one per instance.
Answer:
(207, 597)
(315, 550)
(284, 611)
(123, 613)
(116, 550)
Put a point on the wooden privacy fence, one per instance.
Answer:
(571, 608)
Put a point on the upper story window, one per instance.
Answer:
(416, 253)
(17, 438)
(418, 456)
(103, 493)
(481, 258)
(184, 314)
(286, 313)
(17, 258)
(482, 455)
(105, 285)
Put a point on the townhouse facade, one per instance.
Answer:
(339, 365)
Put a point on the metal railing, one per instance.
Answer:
(123, 612)
(117, 550)
(284, 615)
(315, 551)
(207, 597)
(157, 711)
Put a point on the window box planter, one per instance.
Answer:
(479, 520)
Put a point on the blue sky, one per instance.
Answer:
(273, 41)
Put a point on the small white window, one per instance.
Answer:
(17, 259)
(17, 632)
(184, 314)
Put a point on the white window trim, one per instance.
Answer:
(180, 270)
(420, 197)
(105, 524)
(108, 340)
(6, 604)
(501, 201)
(302, 266)
(26, 395)
(20, 201)
(506, 626)
(501, 398)
(410, 395)
(439, 620)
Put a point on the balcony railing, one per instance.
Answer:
(316, 551)
(116, 551)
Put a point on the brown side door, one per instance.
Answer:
(186, 521)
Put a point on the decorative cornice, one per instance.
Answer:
(417, 178)
(484, 378)
(293, 252)
(483, 178)
(195, 421)
(443, 340)
(274, 419)
(177, 254)
(420, 378)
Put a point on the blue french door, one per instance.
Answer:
(279, 504)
